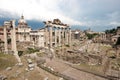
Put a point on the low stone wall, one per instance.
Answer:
(56, 73)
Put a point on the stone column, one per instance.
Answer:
(63, 36)
(66, 36)
(59, 35)
(55, 37)
(46, 36)
(50, 37)
(13, 38)
(69, 37)
(38, 40)
(5, 40)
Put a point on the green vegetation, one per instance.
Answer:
(91, 68)
(32, 50)
(115, 63)
(111, 31)
(6, 60)
(20, 53)
(67, 45)
(118, 41)
(90, 36)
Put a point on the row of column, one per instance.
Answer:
(62, 36)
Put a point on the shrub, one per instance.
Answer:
(20, 53)
(32, 50)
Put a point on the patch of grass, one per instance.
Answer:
(111, 54)
(6, 60)
(105, 47)
(40, 54)
(91, 68)
(67, 45)
(32, 50)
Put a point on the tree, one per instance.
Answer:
(111, 31)
(118, 41)
(90, 36)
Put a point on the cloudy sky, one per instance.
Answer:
(97, 14)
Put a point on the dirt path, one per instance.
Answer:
(65, 69)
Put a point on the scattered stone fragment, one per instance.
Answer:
(3, 77)
(61, 79)
(31, 66)
(8, 68)
(46, 78)
(29, 61)
(20, 64)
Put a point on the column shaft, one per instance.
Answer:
(59, 36)
(69, 36)
(63, 36)
(66, 35)
(5, 40)
(13, 38)
(46, 36)
(50, 36)
(55, 37)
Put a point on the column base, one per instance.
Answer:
(6, 52)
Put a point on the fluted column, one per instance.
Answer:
(5, 40)
(59, 35)
(46, 36)
(50, 37)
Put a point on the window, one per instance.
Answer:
(42, 35)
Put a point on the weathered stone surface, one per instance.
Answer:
(3, 77)
(8, 68)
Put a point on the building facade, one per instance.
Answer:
(24, 33)
(23, 30)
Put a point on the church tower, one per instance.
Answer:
(22, 22)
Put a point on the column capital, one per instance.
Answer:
(66, 28)
(46, 26)
(63, 28)
(59, 28)
(50, 25)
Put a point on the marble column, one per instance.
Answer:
(66, 36)
(5, 40)
(59, 35)
(69, 37)
(13, 38)
(55, 37)
(63, 36)
(50, 37)
(46, 36)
